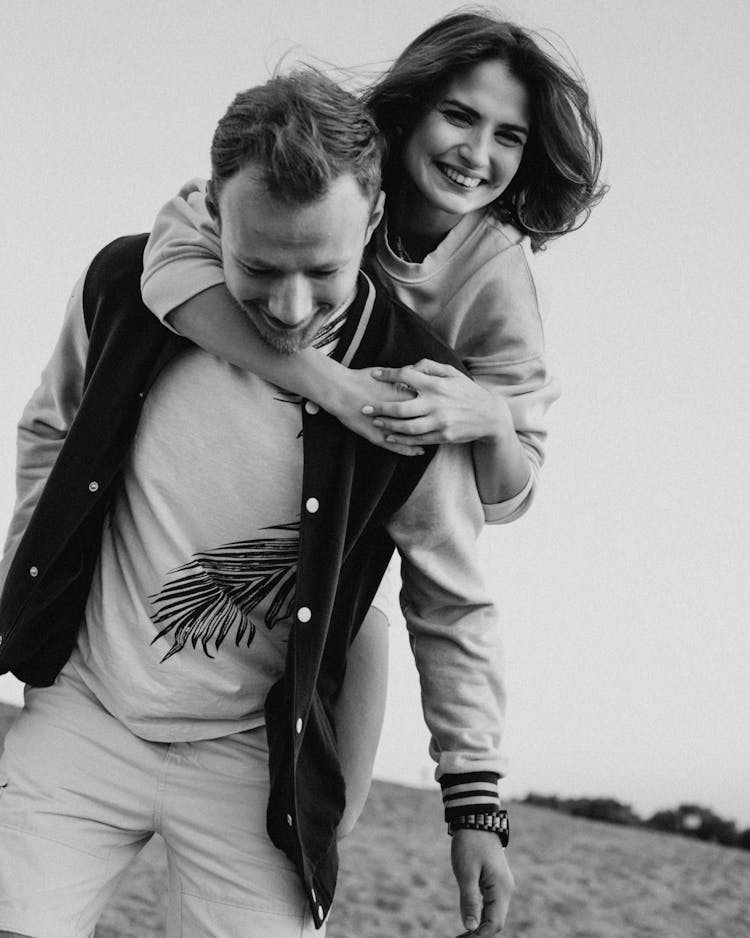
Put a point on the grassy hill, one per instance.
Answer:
(575, 879)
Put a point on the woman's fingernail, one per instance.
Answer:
(377, 372)
(368, 409)
(390, 439)
(377, 423)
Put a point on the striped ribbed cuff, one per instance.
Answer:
(470, 793)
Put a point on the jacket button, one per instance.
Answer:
(289, 820)
(93, 486)
(298, 725)
(321, 913)
(312, 505)
(33, 571)
(311, 407)
(304, 614)
(312, 895)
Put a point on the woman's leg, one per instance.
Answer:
(359, 712)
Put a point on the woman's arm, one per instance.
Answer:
(451, 408)
(492, 319)
(213, 321)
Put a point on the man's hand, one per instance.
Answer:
(484, 879)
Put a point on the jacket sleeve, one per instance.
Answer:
(454, 630)
(45, 421)
(501, 342)
(183, 254)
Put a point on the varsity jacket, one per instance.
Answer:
(344, 548)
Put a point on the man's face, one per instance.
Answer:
(289, 266)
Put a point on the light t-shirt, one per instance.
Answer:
(188, 616)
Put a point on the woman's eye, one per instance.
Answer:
(508, 139)
(456, 117)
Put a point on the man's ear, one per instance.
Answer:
(376, 215)
(212, 204)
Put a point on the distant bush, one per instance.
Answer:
(543, 801)
(689, 820)
(604, 809)
(693, 820)
(596, 809)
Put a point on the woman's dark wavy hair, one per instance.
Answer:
(557, 183)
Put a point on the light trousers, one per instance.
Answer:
(80, 796)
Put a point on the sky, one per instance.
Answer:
(623, 592)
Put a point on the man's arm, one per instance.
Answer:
(45, 421)
(455, 638)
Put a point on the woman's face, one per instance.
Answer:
(464, 151)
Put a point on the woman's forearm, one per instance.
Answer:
(501, 465)
(215, 322)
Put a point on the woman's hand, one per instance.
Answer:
(446, 407)
(357, 390)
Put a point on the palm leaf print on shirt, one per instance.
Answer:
(214, 593)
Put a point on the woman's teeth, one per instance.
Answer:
(468, 182)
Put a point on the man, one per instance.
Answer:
(193, 551)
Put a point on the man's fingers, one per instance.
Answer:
(496, 893)
(468, 877)
(471, 907)
(491, 926)
(485, 882)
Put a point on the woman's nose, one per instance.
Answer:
(475, 149)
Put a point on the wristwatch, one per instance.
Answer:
(495, 823)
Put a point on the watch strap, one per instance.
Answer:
(495, 823)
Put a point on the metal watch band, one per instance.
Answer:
(495, 823)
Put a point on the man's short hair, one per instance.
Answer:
(305, 131)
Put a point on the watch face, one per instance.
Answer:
(504, 831)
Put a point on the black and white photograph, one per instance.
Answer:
(373, 469)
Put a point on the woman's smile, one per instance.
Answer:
(466, 148)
